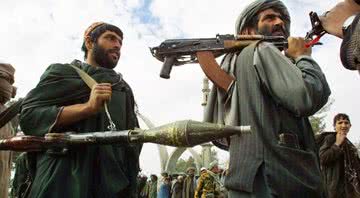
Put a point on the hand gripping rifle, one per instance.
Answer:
(204, 50)
(185, 133)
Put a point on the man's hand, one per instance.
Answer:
(335, 18)
(297, 47)
(100, 93)
(340, 138)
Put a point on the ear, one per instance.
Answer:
(88, 43)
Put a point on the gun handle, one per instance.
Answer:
(167, 66)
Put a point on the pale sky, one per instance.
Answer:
(38, 33)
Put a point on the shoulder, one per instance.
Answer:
(325, 138)
(265, 47)
(57, 69)
(330, 137)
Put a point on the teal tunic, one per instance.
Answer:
(91, 171)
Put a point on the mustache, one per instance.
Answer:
(114, 50)
(278, 28)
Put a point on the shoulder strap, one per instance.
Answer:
(89, 81)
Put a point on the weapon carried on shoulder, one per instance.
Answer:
(317, 30)
(185, 133)
(204, 50)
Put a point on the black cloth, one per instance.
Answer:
(340, 168)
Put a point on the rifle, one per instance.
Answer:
(204, 50)
(185, 133)
(317, 30)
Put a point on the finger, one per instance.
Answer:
(102, 98)
(109, 89)
(102, 91)
(107, 86)
(104, 84)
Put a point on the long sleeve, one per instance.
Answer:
(329, 152)
(301, 87)
(350, 47)
(42, 106)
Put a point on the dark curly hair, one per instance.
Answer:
(340, 116)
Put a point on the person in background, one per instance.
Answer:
(189, 185)
(176, 190)
(165, 188)
(339, 160)
(205, 185)
(152, 187)
(7, 91)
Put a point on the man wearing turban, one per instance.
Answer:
(63, 102)
(275, 94)
(7, 91)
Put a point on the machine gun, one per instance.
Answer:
(317, 30)
(204, 50)
(185, 133)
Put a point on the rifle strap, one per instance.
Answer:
(90, 82)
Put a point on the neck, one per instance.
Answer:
(91, 61)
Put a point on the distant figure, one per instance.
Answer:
(189, 185)
(176, 191)
(152, 187)
(340, 163)
(7, 91)
(214, 171)
(165, 188)
(162, 179)
(206, 185)
(141, 183)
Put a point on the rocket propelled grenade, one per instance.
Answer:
(185, 133)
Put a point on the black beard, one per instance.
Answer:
(101, 57)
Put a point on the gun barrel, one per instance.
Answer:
(23, 143)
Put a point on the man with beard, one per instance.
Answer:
(275, 94)
(63, 102)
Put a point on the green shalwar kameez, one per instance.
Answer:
(90, 171)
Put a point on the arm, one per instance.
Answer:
(100, 94)
(300, 87)
(336, 16)
(199, 187)
(53, 101)
(329, 152)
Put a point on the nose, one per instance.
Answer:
(344, 124)
(279, 21)
(117, 44)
